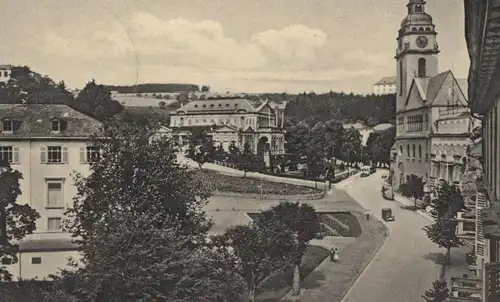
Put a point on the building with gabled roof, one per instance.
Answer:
(386, 85)
(433, 123)
(257, 123)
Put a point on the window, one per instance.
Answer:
(204, 106)
(427, 29)
(414, 151)
(211, 105)
(418, 9)
(408, 150)
(8, 126)
(415, 123)
(55, 194)
(36, 260)
(420, 151)
(195, 106)
(220, 105)
(55, 126)
(401, 150)
(422, 66)
(414, 29)
(421, 29)
(227, 105)
(6, 153)
(182, 121)
(92, 154)
(56, 154)
(54, 224)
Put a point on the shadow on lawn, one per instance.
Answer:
(278, 285)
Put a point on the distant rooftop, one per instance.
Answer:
(386, 81)
(381, 127)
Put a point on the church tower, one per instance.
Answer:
(417, 50)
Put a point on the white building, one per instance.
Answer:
(46, 143)
(260, 124)
(386, 85)
(5, 72)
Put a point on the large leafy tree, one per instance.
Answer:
(247, 161)
(201, 148)
(351, 146)
(139, 222)
(259, 250)
(438, 293)
(16, 220)
(301, 220)
(296, 137)
(442, 232)
(96, 100)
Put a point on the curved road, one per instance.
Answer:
(404, 267)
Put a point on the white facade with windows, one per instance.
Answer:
(5, 72)
(386, 85)
(46, 143)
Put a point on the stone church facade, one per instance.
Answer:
(433, 119)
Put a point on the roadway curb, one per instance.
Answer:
(353, 283)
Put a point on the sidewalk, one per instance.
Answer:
(330, 281)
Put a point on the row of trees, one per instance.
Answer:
(202, 149)
(139, 223)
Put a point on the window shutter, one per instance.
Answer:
(15, 155)
(65, 154)
(43, 155)
(83, 157)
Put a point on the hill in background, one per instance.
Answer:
(154, 88)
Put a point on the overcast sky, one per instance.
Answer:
(236, 45)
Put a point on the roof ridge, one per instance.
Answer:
(442, 76)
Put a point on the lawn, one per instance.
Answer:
(226, 183)
(278, 285)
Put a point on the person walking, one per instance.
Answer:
(332, 254)
(336, 255)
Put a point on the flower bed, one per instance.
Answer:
(226, 183)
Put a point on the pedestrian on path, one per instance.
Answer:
(332, 254)
(336, 256)
(367, 214)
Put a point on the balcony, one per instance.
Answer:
(466, 227)
(465, 289)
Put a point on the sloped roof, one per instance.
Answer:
(386, 81)
(435, 84)
(429, 88)
(218, 105)
(35, 120)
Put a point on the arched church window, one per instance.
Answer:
(418, 9)
(422, 66)
(414, 29)
(421, 29)
(427, 29)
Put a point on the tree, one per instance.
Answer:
(96, 100)
(260, 251)
(413, 188)
(296, 137)
(301, 220)
(201, 147)
(193, 97)
(442, 231)
(247, 160)
(162, 104)
(182, 98)
(205, 88)
(16, 220)
(234, 152)
(220, 154)
(138, 219)
(316, 167)
(351, 146)
(438, 293)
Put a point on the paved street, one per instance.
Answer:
(405, 266)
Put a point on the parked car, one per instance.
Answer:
(373, 169)
(365, 171)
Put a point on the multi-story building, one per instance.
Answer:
(259, 124)
(386, 85)
(46, 143)
(433, 120)
(5, 71)
(483, 42)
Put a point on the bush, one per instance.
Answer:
(342, 167)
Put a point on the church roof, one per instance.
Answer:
(386, 81)
(430, 88)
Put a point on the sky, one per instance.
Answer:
(231, 45)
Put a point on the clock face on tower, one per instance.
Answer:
(422, 41)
